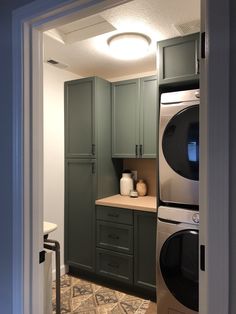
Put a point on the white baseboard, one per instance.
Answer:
(64, 270)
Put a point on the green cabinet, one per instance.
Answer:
(114, 244)
(179, 60)
(148, 117)
(90, 171)
(134, 118)
(145, 250)
(126, 248)
(79, 214)
(125, 118)
(114, 265)
(115, 237)
(79, 118)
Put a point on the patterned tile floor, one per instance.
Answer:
(80, 296)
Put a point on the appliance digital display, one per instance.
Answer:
(193, 153)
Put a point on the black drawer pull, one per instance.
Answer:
(113, 215)
(113, 236)
(113, 265)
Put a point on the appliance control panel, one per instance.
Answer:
(195, 218)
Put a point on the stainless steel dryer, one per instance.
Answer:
(179, 147)
(177, 261)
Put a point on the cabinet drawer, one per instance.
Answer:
(115, 237)
(114, 214)
(115, 265)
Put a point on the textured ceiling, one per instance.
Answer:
(154, 18)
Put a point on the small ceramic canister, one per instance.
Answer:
(141, 187)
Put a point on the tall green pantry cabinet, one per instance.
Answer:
(90, 172)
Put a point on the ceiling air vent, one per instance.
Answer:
(56, 63)
(188, 28)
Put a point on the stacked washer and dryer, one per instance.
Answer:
(178, 215)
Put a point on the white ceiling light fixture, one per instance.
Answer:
(129, 46)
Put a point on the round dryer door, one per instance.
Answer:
(180, 143)
(179, 267)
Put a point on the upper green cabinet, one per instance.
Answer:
(79, 118)
(148, 117)
(134, 118)
(125, 118)
(179, 60)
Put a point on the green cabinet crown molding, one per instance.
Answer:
(134, 118)
(178, 60)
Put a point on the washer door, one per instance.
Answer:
(179, 267)
(180, 143)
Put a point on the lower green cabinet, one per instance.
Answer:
(116, 237)
(114, 265)
(145, 250)
(79, 214)
(126, 248)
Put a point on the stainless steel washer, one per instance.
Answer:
(177, 261)
(179, 147)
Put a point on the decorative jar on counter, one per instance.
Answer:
(126, 183)
(141, 187)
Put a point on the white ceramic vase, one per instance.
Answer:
(126, 184)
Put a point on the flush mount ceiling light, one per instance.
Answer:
(129, 46)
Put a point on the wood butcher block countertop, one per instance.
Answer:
(144, 203)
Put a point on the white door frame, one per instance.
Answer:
(28, 24)
(214, 156)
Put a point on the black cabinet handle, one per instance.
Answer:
(113, 265)
(93, 149)
(113, 215)
(93, 168)
(113, 236)
(140, 150)
(136, 151)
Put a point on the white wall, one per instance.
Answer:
(54, 79)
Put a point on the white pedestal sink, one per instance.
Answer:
(48, 227)
(51, 245)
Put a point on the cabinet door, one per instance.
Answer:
(79, 118)
(79, 214)
(125, 119)
(114, 265)
(145, 250)
(116, 237)
(148, 117)
(179, 59)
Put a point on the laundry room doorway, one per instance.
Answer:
(29, 22)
